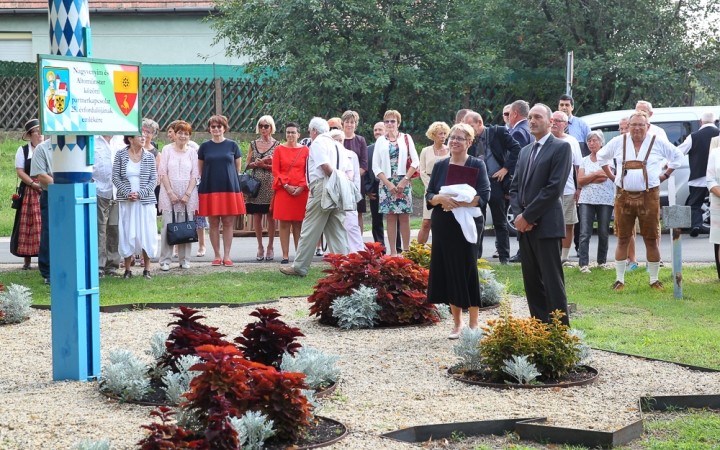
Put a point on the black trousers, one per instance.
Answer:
(498, 206)
(44, 252)
(543, 276)
(695, 200)
(717, 259)
(378, 231)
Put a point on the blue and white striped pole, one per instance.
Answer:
(72, 211)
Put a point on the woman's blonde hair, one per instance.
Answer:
(465, 128)
(391, 113)
(268, 120)
(347, 115)
(435, 128)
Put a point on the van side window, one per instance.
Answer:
(609, 131)
(676, 131)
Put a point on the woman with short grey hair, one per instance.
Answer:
(597, 198)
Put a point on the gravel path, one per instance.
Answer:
(391, 379)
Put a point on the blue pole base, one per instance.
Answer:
(74, 282)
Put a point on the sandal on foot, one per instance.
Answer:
(200, 253)
(227, 263)
(216, 262)
(270, 255)
(260, 255)
(127, 274)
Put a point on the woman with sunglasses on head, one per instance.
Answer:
(219, 162)
(395, 160)
(260, 161)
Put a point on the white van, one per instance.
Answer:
(678, 123)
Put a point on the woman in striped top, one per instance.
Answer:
(135, 177)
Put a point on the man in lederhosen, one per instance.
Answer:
(640, 157)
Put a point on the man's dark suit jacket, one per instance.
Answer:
(521, 133)
(544, 188)
(371, 183)
(504, 148)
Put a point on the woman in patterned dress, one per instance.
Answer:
(395, 160)
(260, 161)
(25, 240)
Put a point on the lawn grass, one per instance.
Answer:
(639, 320)
(8, 181)
(697, 430)
(220, 287)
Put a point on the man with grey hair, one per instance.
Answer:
(697, 146)
(647, 108)
(506, 117)
(461, 115)
(324, 158)
(519, 130)
(535, 195)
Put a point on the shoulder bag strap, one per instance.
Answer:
(622, 172)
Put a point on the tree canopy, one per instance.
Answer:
(427, 58)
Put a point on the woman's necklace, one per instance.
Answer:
(440, 150)
(266, 141)
(135, 157)
(392, 140)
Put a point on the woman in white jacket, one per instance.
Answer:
(395, 160)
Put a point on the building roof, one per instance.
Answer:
(143, 4)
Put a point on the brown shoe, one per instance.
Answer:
(618, 286)
(291, 271)
(657, 285)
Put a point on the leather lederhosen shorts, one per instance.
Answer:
(643, 205)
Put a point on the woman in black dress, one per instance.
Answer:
(453, 261)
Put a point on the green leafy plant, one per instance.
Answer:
(320, 368)
(266, 340)
(359, 310)
(401, 285)
(419, 253)
(548, 346)
(178, 383)
(15, 301)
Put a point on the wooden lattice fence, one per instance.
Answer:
(18, 102)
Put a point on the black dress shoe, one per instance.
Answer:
(694, 232)
(46, 280)
(504, 262)
(704, 230)
(496, 255)
(514, 259)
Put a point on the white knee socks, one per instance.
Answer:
(565, 253)
(653, 268)
(620, 270)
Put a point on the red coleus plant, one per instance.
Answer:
(266, 340)
(167, 435)
(189, 334)
(401, 285)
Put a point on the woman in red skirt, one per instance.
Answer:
(25, 240)
(219, 162)
(290, 186)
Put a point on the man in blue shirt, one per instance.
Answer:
(576, 127)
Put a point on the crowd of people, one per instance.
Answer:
(557, 176)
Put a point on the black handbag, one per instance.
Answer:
(179, 233)
(248, 184)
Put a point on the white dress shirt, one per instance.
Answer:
(634, 181)
(323, 150)
(576, 160)
(685, 149)
(102, 169)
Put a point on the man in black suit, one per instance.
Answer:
(495, 146)
(518, 123)
(542, 171)
(371, 188)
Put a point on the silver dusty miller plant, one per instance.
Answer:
(178, 383)
(443, 311)
(15, 303)
(582, 349)
(126, 375)
(253, 429)
(87, 444)
(157, 346)
(491, 292)
(521, 369)
(319, 367)
(359, 310)
(468, 349)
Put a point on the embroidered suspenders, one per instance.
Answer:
(635, 164)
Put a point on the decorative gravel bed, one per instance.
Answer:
(392, 378)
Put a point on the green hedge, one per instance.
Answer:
(18, 69)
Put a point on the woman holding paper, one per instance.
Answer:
(453, 261)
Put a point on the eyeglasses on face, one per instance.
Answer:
(216, 126)
(506, 114)
(638, 125)
(291, 132)
(334, 128)
(264, 126)
(457, 138)
(391, 121)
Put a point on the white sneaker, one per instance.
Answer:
(185, 265)
(567, 263)
(584, 269)
(164, 267)
(605, 266)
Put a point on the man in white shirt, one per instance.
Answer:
(571, 191)
(640, 157)
(697, 145)
(646, 107)
(107, 207)
(324, 158)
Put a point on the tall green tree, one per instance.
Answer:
(326, 56)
